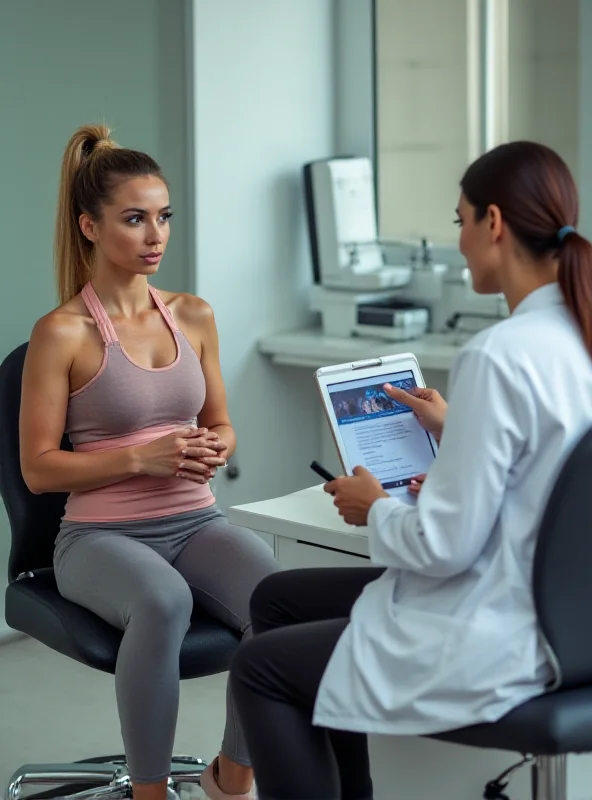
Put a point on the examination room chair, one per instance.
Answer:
(560, 722)
(35, 607)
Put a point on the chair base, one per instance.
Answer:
(107, 778)
(549, 778)
(104, 778)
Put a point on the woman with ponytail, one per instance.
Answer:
(129, 373)
(441, 632)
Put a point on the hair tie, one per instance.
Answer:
(93, 146)
(562, 232)
(104, 144)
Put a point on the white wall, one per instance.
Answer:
(64, 64)
(522, 46)
(544, 56)
(557, 57)
(263, 89)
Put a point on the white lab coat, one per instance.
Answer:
(447, 637)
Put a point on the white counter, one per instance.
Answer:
(310, 347)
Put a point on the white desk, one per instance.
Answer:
(307, 531)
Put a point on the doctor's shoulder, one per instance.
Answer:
(493, 342)
(512, 339)
(501, 354)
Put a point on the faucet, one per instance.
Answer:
(421, 256)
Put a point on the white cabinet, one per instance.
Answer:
(295, 554)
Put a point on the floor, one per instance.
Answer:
(53, 709)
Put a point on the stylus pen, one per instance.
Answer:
(320, 470)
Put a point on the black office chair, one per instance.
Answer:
(35, 607)
(560, 722)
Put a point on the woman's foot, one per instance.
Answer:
(224, 779)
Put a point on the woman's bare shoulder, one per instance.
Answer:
(67, 325)
(187, 308)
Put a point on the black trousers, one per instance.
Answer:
(297, 617)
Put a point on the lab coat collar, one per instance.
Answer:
(544, 297)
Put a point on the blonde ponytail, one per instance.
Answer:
(73, 253)
(91, 164)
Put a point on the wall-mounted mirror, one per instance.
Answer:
(453, 79)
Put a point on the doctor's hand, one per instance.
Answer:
(428, 405)
(354, 496)
(416, 484)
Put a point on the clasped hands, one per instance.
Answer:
(203, 454)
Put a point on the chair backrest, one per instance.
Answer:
(562, 575)
(34, 519)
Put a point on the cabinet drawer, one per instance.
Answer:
(294, 554)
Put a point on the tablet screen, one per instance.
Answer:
(380, 434)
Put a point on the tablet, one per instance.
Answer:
(369, 428)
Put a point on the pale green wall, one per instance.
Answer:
(64, 63)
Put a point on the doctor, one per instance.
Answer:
(441, 633)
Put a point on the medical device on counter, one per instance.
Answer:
(356, 290)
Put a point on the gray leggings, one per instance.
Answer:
(142, 577)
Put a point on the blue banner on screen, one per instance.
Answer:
(380, 434)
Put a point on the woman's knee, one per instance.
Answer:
(165, 607)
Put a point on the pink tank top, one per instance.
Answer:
(126, 404)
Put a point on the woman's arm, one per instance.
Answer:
(486, 428)
(44, 404)
(197, 318)
(214, 414)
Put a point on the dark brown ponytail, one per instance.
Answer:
(537, 196)
(575, 279)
